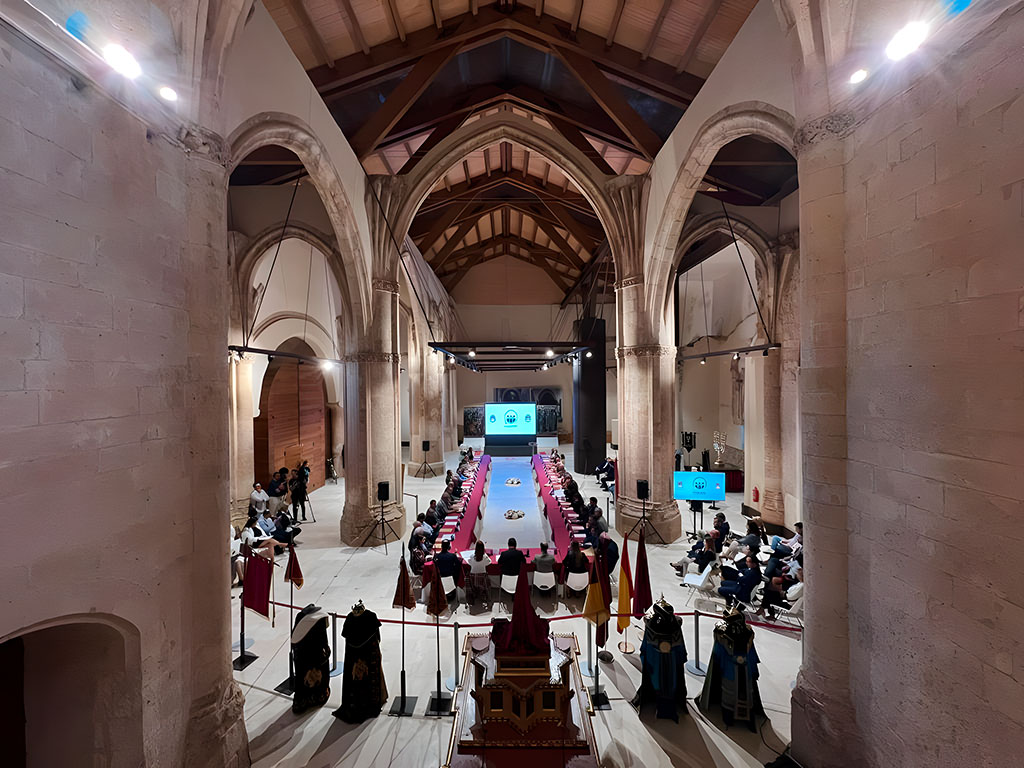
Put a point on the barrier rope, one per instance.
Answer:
(445, 625)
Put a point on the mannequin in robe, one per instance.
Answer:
(663, 655)
(731, 679)
(312, 657)
(363, 691)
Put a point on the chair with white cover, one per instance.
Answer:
(448, 582)
(699, 582)
(508, 583)
(545, 582)
(577, 582)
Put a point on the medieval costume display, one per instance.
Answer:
(731, 680)
(363, 691)
(663, 655)
(312, 659)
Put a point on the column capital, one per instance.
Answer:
(835, 125)
(629, 280)
(383, 284)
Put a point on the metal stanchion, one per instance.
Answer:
(588, 668)
(693, 666)
(453, 682)
(335, 669)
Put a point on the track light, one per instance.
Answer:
(544, 367)
(472, 353)
(765, 353)
(907, 40)
(327, 365)
(121, 61)
(550, 353)
(735, 355)
(167, 93)
(589, 353)
(858, 77)
(703, 361)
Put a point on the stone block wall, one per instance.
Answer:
(935, 411)
(114, 396)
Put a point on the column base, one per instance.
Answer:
(663, 516)
(825, 734)
(216, 736)
(418, 469)
(360, 524)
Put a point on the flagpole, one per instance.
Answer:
(288, 686)
(244, 659)
(404, 705)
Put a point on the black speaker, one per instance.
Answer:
(426, 446)
(642, 490)
(383, 491)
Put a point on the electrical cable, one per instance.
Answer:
(704, 295)
(739, 254)
(273, 263)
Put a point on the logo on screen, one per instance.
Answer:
(700, 484)
(510, 418)
(493, 419)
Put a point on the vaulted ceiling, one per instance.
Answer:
(612, 76)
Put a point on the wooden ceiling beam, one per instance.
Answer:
(652, 38)
(400, 100)
(435, 10)
(588, 237)
(352, 23)
(698, 35)
(437, 135)
(396, 21)
(449, 247)
(612, 100)
(441, 223)
(470, 191)
(578, 140)
(309, 29)
(390, 58)
(576, 13)
(497, 241)
(616, 18)
(560, 243)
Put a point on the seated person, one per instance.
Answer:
(418, 555)
(576, 561)
(446, 562)
(702, 553)
(478, 584)
(420, 519)
(258, 499)
(595, 528)
(237, 561)
(722, 526)
(751, 542)
(284, 531)
(426, 530)
(511, 560)
(544, 562)
(254, 537)
(781, 592)
(432, 507)
(742, 588)
(610, 550)
(786, 547)
(588, 511)
(605, 472)
(277, 490)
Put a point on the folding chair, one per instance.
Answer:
(545, 582)
(699, 582)
(577, 582)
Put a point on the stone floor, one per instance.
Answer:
(336, 577)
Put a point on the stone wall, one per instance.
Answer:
(935, 411)
(113, 395)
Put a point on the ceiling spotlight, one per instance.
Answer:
(433, 350)
(550, 353)
(735, 355)
(589, 353)
(859, 76)
(544, 367)
(703, 361)
(472, 353)
(327, 365)
(121, 61)
(765, 353)
(167, 93)
(907, 40)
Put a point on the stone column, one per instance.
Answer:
(646, 368)
(452, 414)
(337, 447)
(772, 501)
(824, 725)
(242, 459)
(372, 444)
(426, 408)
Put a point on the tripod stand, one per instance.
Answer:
(423, 468)
(383, 534)
(643, 521)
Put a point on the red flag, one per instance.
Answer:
(293, 571)
(625, 588)
(403, 589)
(437, 605)
(604, 581)
(259, 578)
(641, 580)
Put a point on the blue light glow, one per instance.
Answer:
(77, 25)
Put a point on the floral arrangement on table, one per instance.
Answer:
(514, 514)
(513, 481)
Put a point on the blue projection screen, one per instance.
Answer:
(698, 486)
(510, 418)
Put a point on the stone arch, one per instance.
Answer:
(701, 227)
(735, 121)
(79, 675)
(492, 129)
(324, 243)
(277, 128)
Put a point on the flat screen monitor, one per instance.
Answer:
(698, 486)
(510, 419)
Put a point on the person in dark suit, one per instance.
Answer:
(743, 588)
(722, 526)
(605, 472)
(446, 562)
(610, 550)
(511, 560)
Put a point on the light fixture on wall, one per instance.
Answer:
(907, 40)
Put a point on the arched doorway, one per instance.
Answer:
(71, 696)
(293, 424)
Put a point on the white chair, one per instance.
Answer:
(508, 583)
(577, 582)
(795, 612)
(699, 582)
(544, 581)
(448, 582)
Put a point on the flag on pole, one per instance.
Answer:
(437, 605)
(293, 571)
(605, 582)
(625, 588)
(597, 608)
(403, 589)
(259, 579)
(642, 599)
